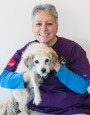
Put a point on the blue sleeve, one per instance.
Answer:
(11, 80)
(73, 81)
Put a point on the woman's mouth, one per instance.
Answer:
(44, 35)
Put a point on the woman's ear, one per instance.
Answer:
(28, 61)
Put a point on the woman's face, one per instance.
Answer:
(44, 27)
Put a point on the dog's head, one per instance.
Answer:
(42, 61)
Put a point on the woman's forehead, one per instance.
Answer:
(43, 15)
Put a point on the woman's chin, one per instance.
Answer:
(43, 41)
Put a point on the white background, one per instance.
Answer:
(16, 27)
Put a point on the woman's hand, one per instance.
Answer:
(57, 66)
(26, 77)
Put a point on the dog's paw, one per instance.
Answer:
(37, 100)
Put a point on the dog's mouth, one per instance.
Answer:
(43, 76)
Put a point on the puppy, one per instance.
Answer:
(38, 61)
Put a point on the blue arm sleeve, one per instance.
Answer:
(11, 80)
(72, 81)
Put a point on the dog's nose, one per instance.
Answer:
(43, 70)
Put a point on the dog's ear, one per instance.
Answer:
(53, 58)
(28, 61)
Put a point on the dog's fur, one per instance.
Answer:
(37, 60)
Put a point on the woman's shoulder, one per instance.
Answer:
(69, 43)
(68, 47)
(22, 49)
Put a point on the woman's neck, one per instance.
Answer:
(52, 42)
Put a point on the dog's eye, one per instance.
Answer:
(47, 60)
(36, 61)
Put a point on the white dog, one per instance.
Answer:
(38, 60)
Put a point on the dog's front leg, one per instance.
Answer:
(34, 80)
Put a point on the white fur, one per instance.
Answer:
(37, 59)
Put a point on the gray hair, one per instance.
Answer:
(49, 8)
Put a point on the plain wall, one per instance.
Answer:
(16, 27)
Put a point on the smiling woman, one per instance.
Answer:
(45, 25)
(44, 29)
(66, 86)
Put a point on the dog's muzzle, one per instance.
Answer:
(43, 70)
(44, 77)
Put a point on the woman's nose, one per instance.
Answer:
(44, 27)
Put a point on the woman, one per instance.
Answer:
(64, 92)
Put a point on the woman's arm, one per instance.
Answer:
(77, 74)
(9, 78)
(71, 80)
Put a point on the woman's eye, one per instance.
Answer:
(36, 61)
(38, 24)
(49, 24)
